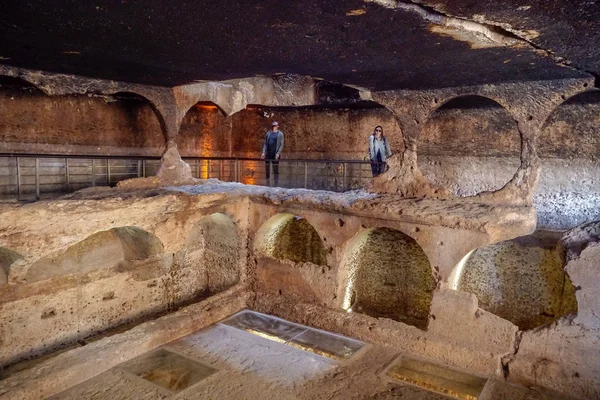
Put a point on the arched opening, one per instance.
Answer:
(116, 247)
(7, 258)
(568, 193)
(385, 273)
(289, 237)
(120, 124)
(205, 131)
(469, 145)
(324, 135)
(212, 255)
(521, 280)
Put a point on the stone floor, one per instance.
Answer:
(254, 356)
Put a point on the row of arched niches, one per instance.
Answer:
(384, 272)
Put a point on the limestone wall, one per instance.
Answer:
(31, 122)
(468, 145)
(80, 265)
(116, 263)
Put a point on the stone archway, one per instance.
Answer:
(289, 237)
(567, 193)
(470, 144)
(521, 280)
(385, 273)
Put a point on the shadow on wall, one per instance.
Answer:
(385, 273)
(115, 247)
(210, 260)
(7, 258)
(521, 280)
(288, 237)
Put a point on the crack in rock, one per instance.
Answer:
(494, 32)
(509, 357)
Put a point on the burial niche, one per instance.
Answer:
(387, 274)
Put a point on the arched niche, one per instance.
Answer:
(572, 130)
(385, 273)
(102, 250)
(119, 124)
(7, 258)
(212, 249)
(289, 237)
(470, 144)
(568, 191)
(521, 280)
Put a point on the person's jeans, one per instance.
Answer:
(270, 161)
(377, 166)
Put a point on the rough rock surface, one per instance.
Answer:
(522, 282)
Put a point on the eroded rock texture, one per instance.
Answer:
(522, 280)
(289, 237)
(387, 274)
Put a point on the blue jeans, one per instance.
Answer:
(377, 166)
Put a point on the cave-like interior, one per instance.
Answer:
(147, 251)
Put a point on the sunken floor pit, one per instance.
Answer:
(223, 290)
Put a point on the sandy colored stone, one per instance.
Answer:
(290, 237)
(387, 274)
(584, 273)
(520, 281)
(7, 258)
(101, 250)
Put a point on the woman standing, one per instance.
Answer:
(379, 150)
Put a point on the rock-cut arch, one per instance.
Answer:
(385, 273)
(521, 280)
(212, 254)
(289, 237)
(469, 144)
(104, 249)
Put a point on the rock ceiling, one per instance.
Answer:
(380, 44)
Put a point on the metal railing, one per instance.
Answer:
(35, 176)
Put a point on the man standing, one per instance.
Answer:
(271, 151)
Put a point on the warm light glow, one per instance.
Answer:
(458, 270)
(206, 106)
(353, 246)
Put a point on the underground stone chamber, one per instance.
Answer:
(385, 273)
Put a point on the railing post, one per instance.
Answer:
(235, 170)
(344, 177)
(37, 178)
(144, 168)
(360, 174)
(220, 170)
(108, 171)
(67, 173)
(93, 173)
(139, 168)
(18, 178)
(305, 175)
(207, 169)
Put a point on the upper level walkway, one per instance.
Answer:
(35, 176)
